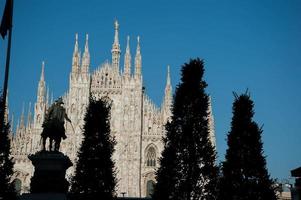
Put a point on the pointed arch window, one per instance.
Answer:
(151, 157)
(18, 186)
(149, 188)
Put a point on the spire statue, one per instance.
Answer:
(138, 60)
(116, 48)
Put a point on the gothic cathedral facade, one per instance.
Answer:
(136, 122)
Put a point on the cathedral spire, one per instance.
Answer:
(22, 121)
(76, 57)
(116, 48)
(86, 57)
(167, 96)
(138, 60)
(29, 116)
(12, 123)
(127, 59)
(40, 105)
(42, 86)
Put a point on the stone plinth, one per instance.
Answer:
(49, 172)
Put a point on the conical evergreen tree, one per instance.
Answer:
(168, 173)
(188, 169)
(7, 190)
(244, 173)
(95, 173)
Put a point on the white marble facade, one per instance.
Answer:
(136, 122)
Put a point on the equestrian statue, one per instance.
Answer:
(53, 125)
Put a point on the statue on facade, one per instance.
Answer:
(53, 125)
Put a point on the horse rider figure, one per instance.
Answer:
(53, 125)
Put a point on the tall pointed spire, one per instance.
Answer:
(138, 60)
(29, 116)
(22, 121)
(42, 86)
(116, 48)
(40, 105)
(167, 96)
(127, 59)
(12, 123)
(86, 57)
(76, 57)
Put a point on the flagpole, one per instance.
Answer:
(5, 85)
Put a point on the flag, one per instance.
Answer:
(6, 23)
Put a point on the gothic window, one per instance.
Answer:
(18, 185)
(149, 188)
(151, 157)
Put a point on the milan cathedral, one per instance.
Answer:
(136, 122)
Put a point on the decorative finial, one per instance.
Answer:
(42, 73)
(23, 109)
(29, 107)
(138, 39)
(76, 37)
(116, 25)
(168, 75)
(87, 41)
(128, 44)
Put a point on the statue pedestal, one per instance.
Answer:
(49, 172)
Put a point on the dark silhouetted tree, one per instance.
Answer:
(7, 190)
(187, 167)
(244, 173)
(95, 173)
(168, 173)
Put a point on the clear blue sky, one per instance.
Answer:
(245, 44)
